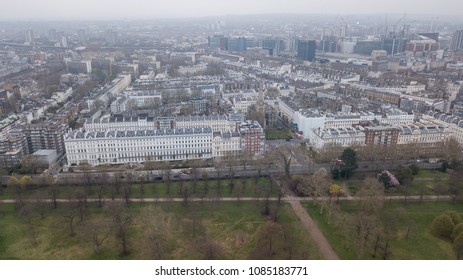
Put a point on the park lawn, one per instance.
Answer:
(231, 225)
(277, 134)
(353, 186)
(251, 189)
(421, 245)
(431, 174)
(159, 190)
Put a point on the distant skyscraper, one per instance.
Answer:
(62, 39)
(111, 37)
(52, 35)
(328, 44)
(81, 35)
(218, 42)
(29, 36)
(237, 44)
(306, 50)
(457, 40)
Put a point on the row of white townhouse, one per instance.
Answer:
(136, 146)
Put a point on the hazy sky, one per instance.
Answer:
(133, 9)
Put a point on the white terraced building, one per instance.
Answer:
(227, 143)
(135, 146)
(425, 134)
(346, 137)
(218, 123)
(107, 123)
(309, 120)
(453, 123)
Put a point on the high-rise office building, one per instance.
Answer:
(82, 36)
(218, 42)
(306, 50)
(29, 36)
(52, 35)
(237, 44)
(457, 40)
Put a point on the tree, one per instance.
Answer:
(79, 202)
(53, 190)
(349, 159)
(270, 241)
(457, 230)
(284, 158)
(458, 246)
(442, 226)
(329, 152)
(40, 204)
(404, 175)
(127, 193)
(121, 219)
(211, 250)
(31, 165)
(166, 177)
(19, 186)
(371, 194)
(414, 168)
(158, 229)
(96, 232)
(336, 191)
(102, 188)
(142, 178)
(402, 215)
(456, 184)
(454, 215)
(440, 188)
(364, 226)
(69, 215)
(452, 151)
(205, 177)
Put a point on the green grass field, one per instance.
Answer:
(431, 174)
(420, 245)
(169, 230)
(241, 187)
(278, 134)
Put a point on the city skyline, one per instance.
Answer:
(122, 9)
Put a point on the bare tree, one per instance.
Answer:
(102, 188)
(121, 219)
(159, 229)
(69, 215)
(440, 188)
(80, 201)
(371, 194)
(211, 250)
(96, 232)
(205, 177)
(270, 241)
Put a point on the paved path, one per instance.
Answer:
(315, 233)
(286, 199)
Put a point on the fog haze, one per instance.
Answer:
(148, 9)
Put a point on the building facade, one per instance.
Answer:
(136, 146)
(252, 138)
(306, 50)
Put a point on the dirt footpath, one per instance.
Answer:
(325, 248)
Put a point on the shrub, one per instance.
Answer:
(458, 246)
(454, 216)
(442, 226)
(457, 230)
